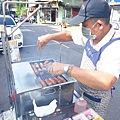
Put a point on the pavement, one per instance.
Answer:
(113, 111)
(4, 102)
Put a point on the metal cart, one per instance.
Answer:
(24, 86)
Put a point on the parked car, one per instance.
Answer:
(10, 26)
(16, 19)
(21, 18)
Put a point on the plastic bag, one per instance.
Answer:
(14, 51)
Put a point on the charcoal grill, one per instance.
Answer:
(28, 87)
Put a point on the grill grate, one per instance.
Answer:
(45, 78)
(41, 70)
(45, 75)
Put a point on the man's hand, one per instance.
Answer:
(56, 68)
(43, 41)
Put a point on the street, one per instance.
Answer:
(62, 52)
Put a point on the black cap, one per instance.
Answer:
(91, 9)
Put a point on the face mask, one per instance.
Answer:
(87, 32)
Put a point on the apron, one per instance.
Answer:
(96, 99)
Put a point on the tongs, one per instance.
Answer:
(39, 59)
(39, 54)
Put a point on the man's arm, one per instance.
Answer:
(60, 37)
(95, 79)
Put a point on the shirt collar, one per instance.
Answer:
(105, 40)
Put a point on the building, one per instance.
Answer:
(6, 8)
(56, 11)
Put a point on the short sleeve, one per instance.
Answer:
(78, 38)
(110, 59)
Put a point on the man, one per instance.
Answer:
(100, 66)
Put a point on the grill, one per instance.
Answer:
(46, 76)
(28, 86)
(40, 68)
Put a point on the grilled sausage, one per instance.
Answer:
(57, 80)
(39, 69)
(41, 73)
(36, 65)
(34, 69)
(54, 82)
(61, 78)
(43, 83)
(46, 63)
(48, 82)
(42, 66)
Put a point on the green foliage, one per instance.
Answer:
(20, 8)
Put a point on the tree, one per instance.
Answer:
(20, 8)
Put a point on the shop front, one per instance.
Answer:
(49, 13)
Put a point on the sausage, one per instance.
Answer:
(43, 83)
(36, 65)
(46, 63)
(42, 66)
(32, 65)
(61, 78)
(57, 80)
(54, 82)
(35, 70)
(39, 69)
(48, 82)
(41, 73)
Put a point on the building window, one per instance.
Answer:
(47, 14)
(67, 12)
